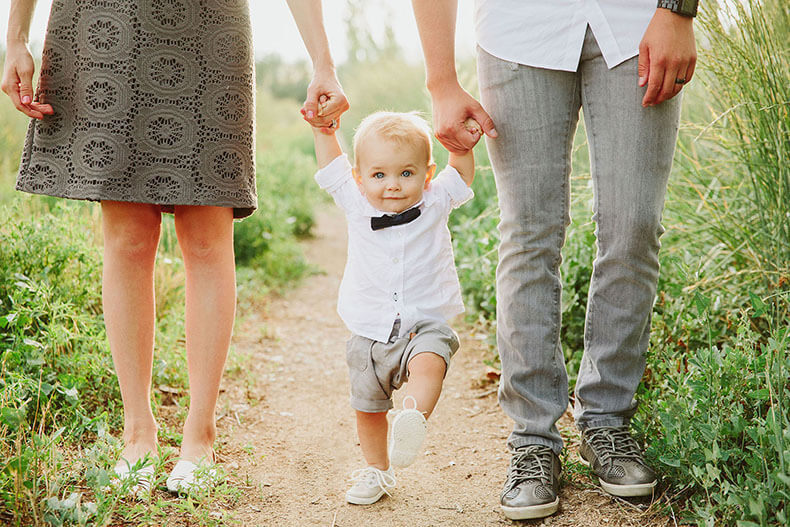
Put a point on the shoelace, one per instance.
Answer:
(371, 476)
(534, 462)
(613, 442)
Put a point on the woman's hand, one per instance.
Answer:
(18, 81)
(667, 56)
(325, 102)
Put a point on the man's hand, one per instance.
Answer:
(325, 102)
(667, 56)
(452, 107)
(18, 82)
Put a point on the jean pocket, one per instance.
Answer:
(358, 353)
(493, 71)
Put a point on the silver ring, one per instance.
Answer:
(680, 81)
(333, 124)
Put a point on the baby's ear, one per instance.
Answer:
(429, 175)
(355, 175)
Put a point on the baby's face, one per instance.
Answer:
(392, 176)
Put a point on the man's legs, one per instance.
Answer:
(536, 112)
(631, 151)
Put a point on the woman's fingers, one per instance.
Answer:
(28, 110)
(45, 109)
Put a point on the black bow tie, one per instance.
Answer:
(388, 220)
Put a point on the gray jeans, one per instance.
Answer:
(536, 112)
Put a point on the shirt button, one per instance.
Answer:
(395, 260)
(395, 296)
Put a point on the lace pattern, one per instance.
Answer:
(153, 103)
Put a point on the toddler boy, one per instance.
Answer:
(400, 286)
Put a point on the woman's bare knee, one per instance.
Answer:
(205, 234)
(131, 230)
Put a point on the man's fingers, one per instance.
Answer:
(680, 75)
(458, 143)
(485, 121)
(643, 64)
(669, 85)
(654, 82)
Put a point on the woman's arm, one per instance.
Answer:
(19, 67)
(309, 19)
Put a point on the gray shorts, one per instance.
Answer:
(376, 369)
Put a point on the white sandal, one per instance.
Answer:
(187, 475)
(140, 476)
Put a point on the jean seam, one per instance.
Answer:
(592, 141)
(558, 259)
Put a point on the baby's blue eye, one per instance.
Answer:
(406, 173)
(378, 175)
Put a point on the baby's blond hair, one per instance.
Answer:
(404, 128)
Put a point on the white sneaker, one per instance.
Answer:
(408, 433)
(139, 475)
(370, 484)
(187, 476)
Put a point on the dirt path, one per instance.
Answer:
(288, 437)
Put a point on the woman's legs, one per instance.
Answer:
(205, 235)
(131, 235)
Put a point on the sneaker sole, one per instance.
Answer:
(408, 433)
(532, 512)
(624, 491)
(356, 500)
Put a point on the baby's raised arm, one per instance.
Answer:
(327, 146)
(465, 163)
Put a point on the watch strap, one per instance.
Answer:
(681, 7)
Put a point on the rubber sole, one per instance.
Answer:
(625, 491)
(356, 500)
(532, 512)
(628, 491)
(408, 433)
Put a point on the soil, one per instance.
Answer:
(287, 434)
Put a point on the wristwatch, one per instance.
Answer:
(681, 7)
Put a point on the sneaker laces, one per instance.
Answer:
(614, 442)
(532, 462)
(372, 476)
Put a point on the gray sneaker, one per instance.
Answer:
(616, 459)
(533, 483)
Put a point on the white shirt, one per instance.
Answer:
(404, 271)
(550, 33)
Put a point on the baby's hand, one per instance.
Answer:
(473, 126)
(323, 103)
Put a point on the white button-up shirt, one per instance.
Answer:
(550, 33)
(404, 271)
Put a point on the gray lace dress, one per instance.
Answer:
(153, 103)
